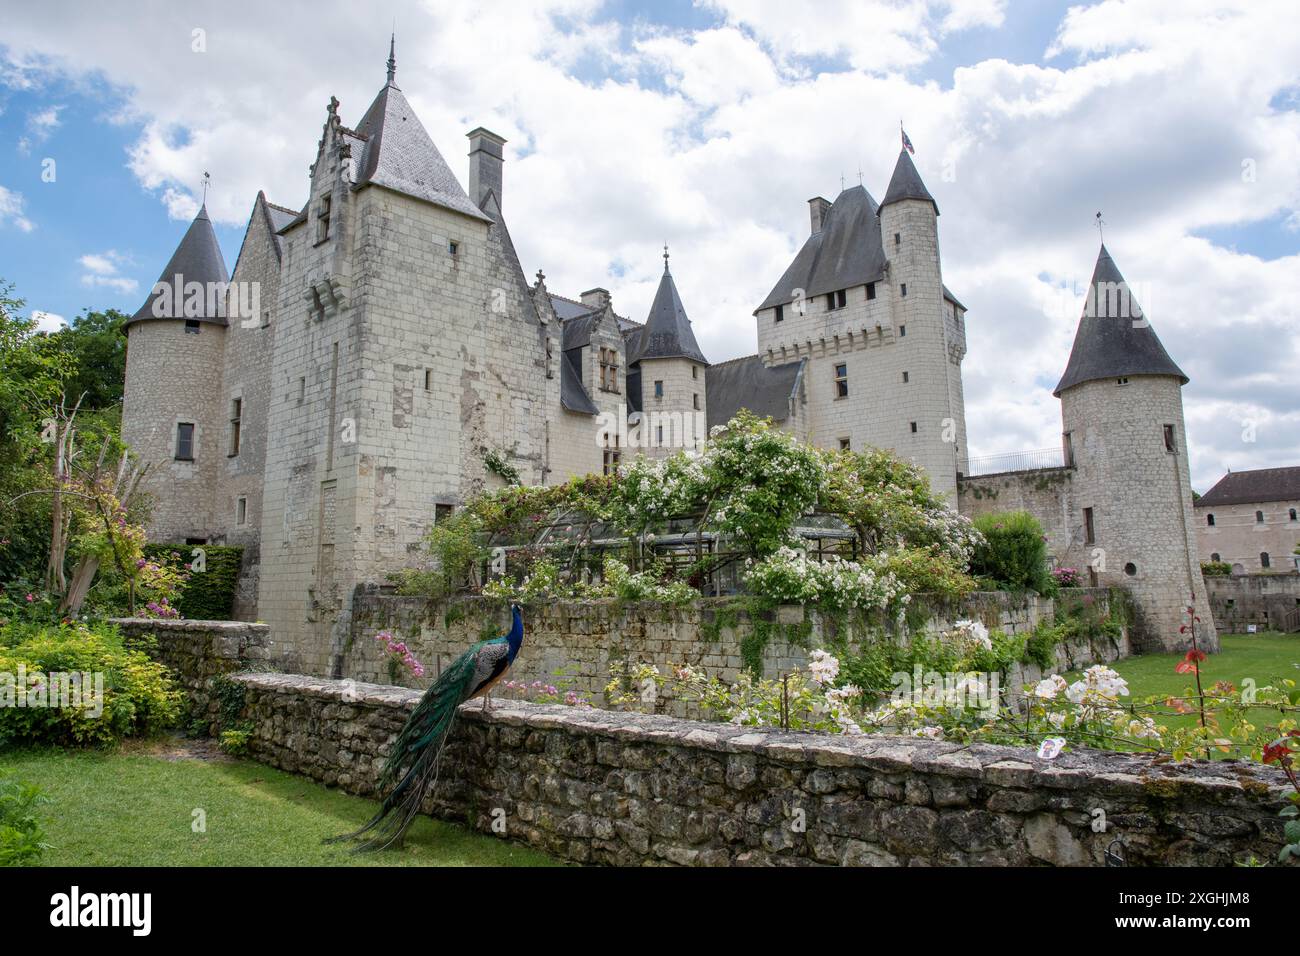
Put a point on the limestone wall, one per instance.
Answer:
(1046, 493)
(198, 651)
(573, 644)
(1269, 601)
(602, 787)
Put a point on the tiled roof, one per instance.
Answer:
(748, 383)
(197, 259)
(1111, 346)
(846, 252)
(667, 332)
(1249, 487)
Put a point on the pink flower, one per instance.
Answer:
(30, 599)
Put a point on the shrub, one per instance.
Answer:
(207, 595)
(1216, 569)
(21, 839)
(1013, 553)
(138, 695)
(1066, 577)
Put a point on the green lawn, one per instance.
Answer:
(1263, 657)
(135, 807)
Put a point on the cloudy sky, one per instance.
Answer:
(707, 125)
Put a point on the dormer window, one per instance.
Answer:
(323, 219)
(1121, 381)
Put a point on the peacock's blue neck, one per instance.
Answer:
(516, 636)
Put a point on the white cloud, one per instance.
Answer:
(40, 125)
(11, 211)
(624, 136)
(48, 321)
(102, 270)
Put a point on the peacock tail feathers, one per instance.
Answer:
(412, 765)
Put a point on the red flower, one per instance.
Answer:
(1276, 752)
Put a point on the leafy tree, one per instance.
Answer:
(97, 348)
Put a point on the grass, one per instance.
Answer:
(1266, 658)
(135, 807)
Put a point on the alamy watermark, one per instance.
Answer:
(75, 690)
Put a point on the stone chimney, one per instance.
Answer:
(595, 298)
(486, 157)
(817, 210)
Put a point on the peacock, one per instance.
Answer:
(418, 748)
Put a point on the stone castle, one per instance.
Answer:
(393, 360)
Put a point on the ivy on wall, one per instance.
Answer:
(209, 594)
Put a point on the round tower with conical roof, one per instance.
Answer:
(1122, 418)
(929, 420)
(671, 370)
(171, 406)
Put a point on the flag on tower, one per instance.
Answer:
(907, 143)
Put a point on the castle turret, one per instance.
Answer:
(1122, 417)
(671, 371)
(171, 406)
(930, 423)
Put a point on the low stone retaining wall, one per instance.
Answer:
(200, 650)
(574, 643)
(603, 787)
(1271, 602)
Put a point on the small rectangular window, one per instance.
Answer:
(241, 511)
(836, 300)
(695, 371)
(898, 239)
(844, 444)
(1209, 520)
(904, 378)
(453, 247)
(193, 327)
(428, 380)
(1067, 447)
(610, 462)
(841, 381)
(185, 441)
(1170, 445)
(871, 290)
(1264, 560)
(696, 401)
(1259, 517)
(903, 290)
(323, 219)
(913, 424)
(442, 511)
(1089, 532)
(302, 390)
(902, 331)
(779, 314)
(236, 415)
(659, 389)
(1121, 381)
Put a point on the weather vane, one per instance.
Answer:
(1100, 222)
(207, 178)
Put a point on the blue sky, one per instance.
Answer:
(708, 125)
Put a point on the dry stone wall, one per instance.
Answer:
(614, 788)
(573, 644)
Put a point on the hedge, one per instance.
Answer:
(208, 595)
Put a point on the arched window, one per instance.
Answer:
(1263, 559)
(1130, 569)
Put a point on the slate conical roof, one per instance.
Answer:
(197, 259)
(906, 184)
(1115, 338)
(667, 332)
(400, 155)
